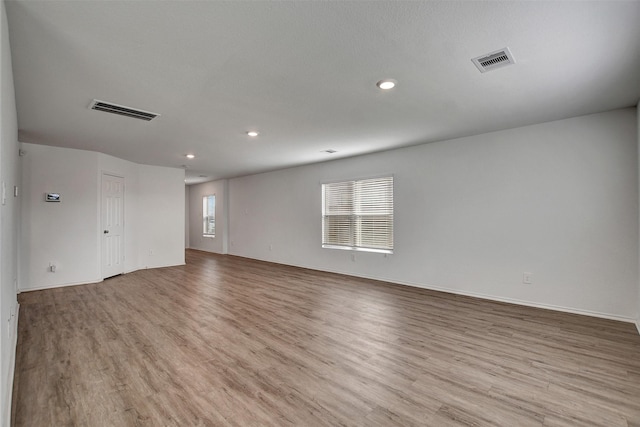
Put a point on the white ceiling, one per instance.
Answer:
(304, 75)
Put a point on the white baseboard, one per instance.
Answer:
(195, 248)
(518, 302)
(638, 325)
(60, 285)
(12, 365)
(475, 294)
(146, 267)
(524, 303)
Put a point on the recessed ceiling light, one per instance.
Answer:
(253, 133)
(191, 156)
(386, 84)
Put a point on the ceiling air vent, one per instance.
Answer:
(122, 110)
(491, 61)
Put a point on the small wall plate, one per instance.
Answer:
(52, 197)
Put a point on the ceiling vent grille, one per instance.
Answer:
(491, 61)
(122, 110)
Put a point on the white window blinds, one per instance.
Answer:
(358, 214)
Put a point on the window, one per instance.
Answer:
(209, 216)
(358, 215)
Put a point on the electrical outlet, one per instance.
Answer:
(527, 278)
(353, 257)
(150, 252)
(270, 247)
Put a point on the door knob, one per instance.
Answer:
(106, 231)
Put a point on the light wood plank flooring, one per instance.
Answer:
(230, 341)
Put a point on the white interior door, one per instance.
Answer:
(112, 225)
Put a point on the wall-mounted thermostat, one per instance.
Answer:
(52, 197)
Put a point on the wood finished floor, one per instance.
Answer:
(230, 341)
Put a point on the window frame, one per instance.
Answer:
(355, 216)
(205, 216)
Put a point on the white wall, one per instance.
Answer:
(217, 244)
(558, 199)
(9, 219)
(186, 215)
(161, 216)
(638, 136)
(68, 233)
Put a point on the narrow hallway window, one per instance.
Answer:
(209, 216)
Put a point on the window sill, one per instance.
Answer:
(353, 248)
